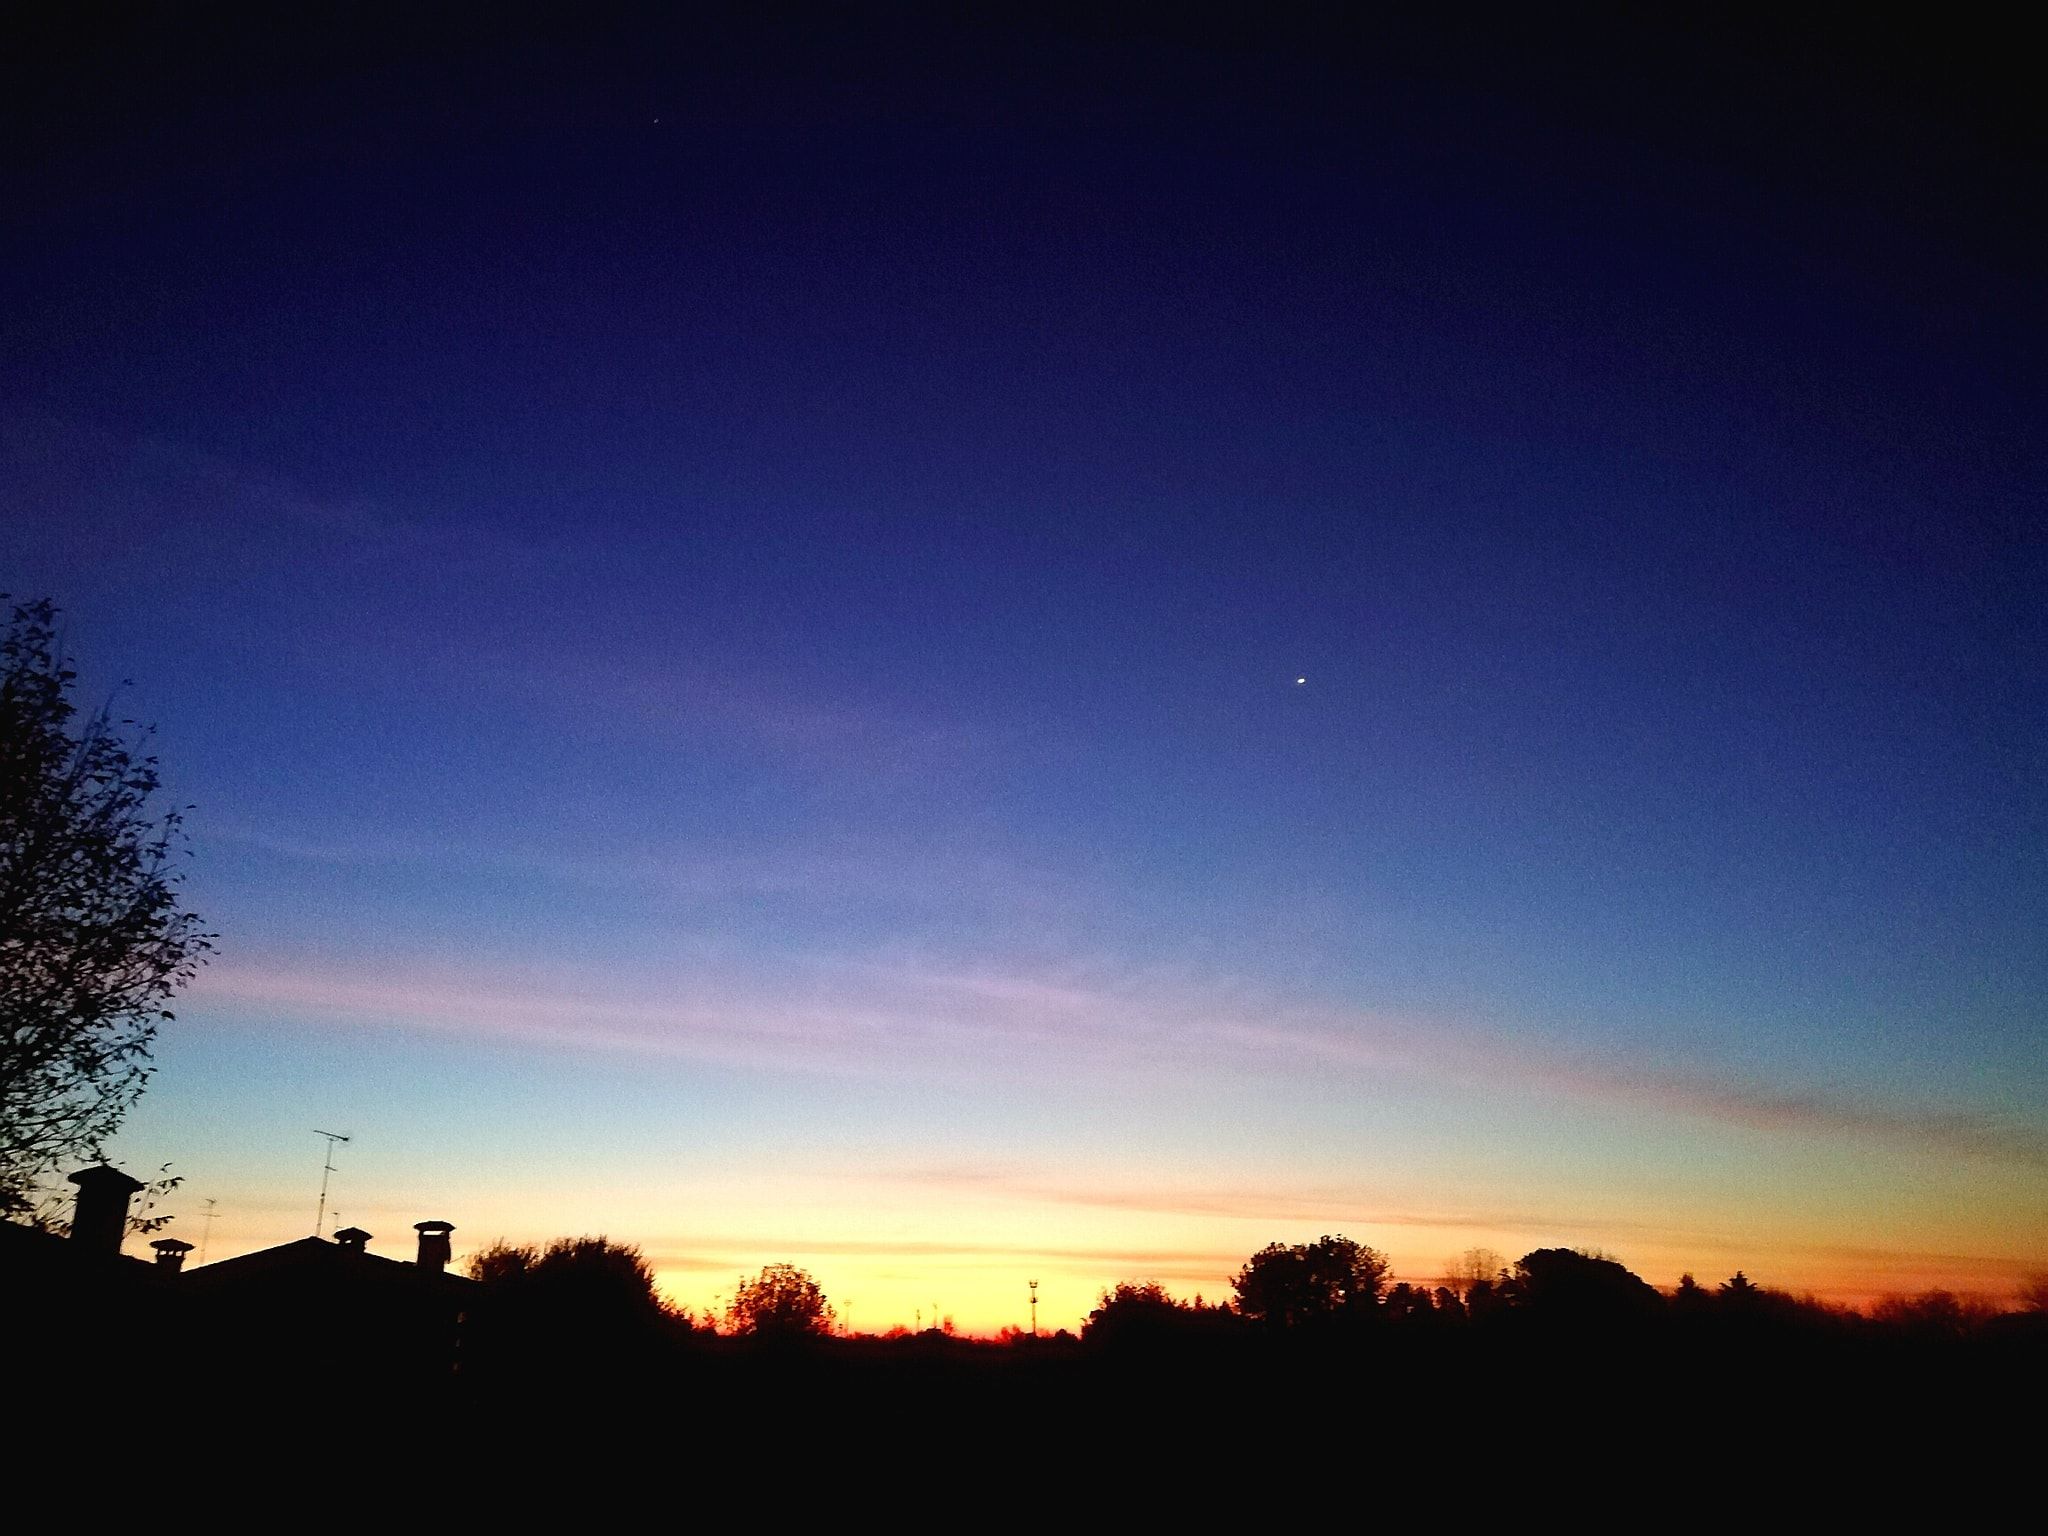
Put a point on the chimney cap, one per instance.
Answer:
(105, 1176)
(171, 1245)
(351, 1237)
(443, 1227)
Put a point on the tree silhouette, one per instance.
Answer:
(1936, 1314)
(1410, 1303)
(93, 941)
(781, 1302)
(1738, 1290)
(591, 1273)
(1132, 1310)
(1287, 1286)
(579, 1306)
(502, 1263)
(1569, 1285)
(1474, 1277)
(1473, 1267)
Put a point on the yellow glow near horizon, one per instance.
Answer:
(1076, 1132)
(888, 1258)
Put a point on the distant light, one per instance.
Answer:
(1300, 682)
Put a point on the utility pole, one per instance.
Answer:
(334, 1139)
(1034, 1309)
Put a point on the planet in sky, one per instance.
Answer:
(720, 673)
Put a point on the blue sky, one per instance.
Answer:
(730, 602)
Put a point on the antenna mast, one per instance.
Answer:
(206, 1231)
(334, 1138)
(1034, 1308)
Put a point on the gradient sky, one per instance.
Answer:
(730, 598)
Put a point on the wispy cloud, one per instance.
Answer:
(1488, 1054)
(110, 497)
(885, 1014)
(416, 598)
(832, 873)
(1771, 1109)
(683, 699)
(1334, 1209)
(714, 1253)
(315, 847)
(791, 1032)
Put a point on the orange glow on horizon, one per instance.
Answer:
(876, 1285)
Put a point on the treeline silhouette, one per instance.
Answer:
(588, 1304)
(564, 1361)
(1304, 1325)
(1331, 1293)
(1316, 1360)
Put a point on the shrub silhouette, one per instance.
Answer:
(580, 1305)
(1142, 1314)
(588, 1275)
(502, 1263)
(1936, 1314)
(782, 1302)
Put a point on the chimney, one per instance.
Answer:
(354, 1239)
(101, 1218)
(435, 1249)
(170, 1253)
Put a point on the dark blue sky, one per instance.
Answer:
(896, 472)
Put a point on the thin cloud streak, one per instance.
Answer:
(96, 498)
(785, 1035)
(1775, 1110)
(836, 876)
(103, 495)
(876, 1017)
(1855, 1272)
(1724, 1100)
(1198, 1261)
(1331, 1208)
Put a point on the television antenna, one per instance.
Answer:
(206, 1231)
(334, 1139)
(1034, 1308)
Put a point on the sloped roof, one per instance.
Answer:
(314, 1261)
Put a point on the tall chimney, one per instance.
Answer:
(100, 1220)
(170, 1253)
(435, 1248)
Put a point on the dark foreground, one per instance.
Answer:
(1653, 1425)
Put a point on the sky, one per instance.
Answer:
(967, 650)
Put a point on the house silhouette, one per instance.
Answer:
(314, 1308)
